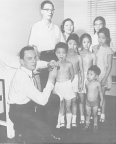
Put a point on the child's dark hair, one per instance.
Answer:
(106, 32)
(101, 19)
(85, 35)
(95, 69)
(63, 23)
(61, 45)
(74, 37)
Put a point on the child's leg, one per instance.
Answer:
(95, 109)
(74, 111)
(62, 122)
(81, 107)
(68, 114)
(88, 114)
(61, 114)
(102, 119)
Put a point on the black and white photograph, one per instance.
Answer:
(58, 71)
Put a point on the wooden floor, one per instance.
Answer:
(106, 131)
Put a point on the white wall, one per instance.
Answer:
(77, 11)
(17, 18)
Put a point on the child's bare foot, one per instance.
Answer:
(95, 128)
(86, 127)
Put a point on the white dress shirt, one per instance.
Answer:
(22, 89)
(44, 37)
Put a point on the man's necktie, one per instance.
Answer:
(34, 80)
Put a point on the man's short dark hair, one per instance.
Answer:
(26, 48)
(95, 69)
(61, 45)
(46, 2)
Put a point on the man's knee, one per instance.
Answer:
(54, 101)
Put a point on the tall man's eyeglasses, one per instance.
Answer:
(51, 10)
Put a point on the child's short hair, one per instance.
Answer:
(95, 69)
(106, 32)
(85, 35)
(61, 45)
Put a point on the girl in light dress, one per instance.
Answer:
(89, 59)
(104, 61)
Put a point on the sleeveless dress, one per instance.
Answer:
(102, 54)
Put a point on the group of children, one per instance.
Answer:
(82, 74)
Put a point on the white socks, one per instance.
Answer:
(74, 119)
(68, 118)
(59, 121)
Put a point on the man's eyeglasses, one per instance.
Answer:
(51, 10)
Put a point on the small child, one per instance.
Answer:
(63, 86)
(94, 89)
(89, 59)
(74, 57)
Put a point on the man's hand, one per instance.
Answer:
(52, 63)
(52, 75)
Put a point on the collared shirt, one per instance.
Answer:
(44, 37)
(22, 89)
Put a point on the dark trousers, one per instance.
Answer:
(46, 56)
(25, 120)
(50, 110)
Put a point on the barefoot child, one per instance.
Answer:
(89, 59)
(93, 87)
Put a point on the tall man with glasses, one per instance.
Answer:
(44, 36)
